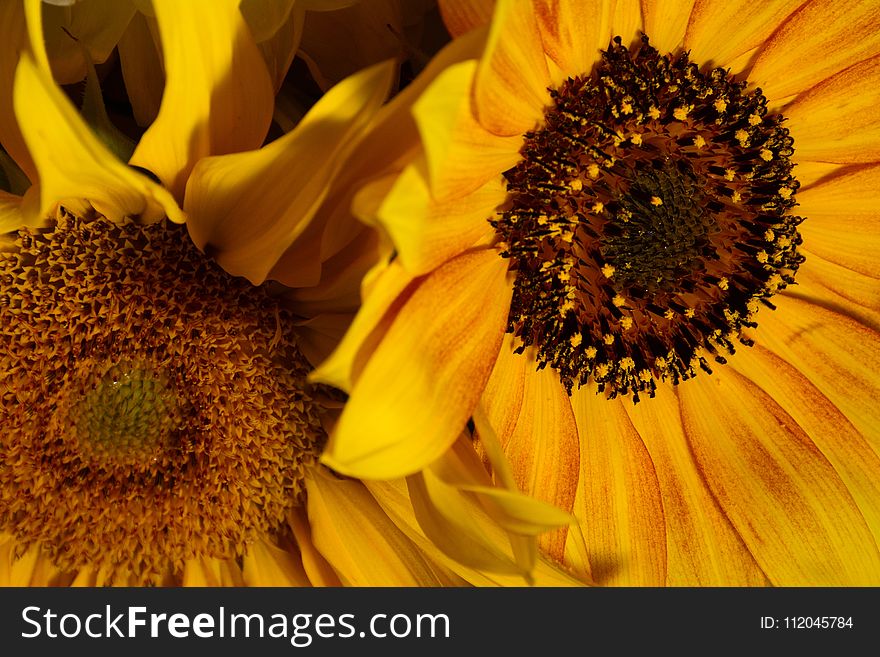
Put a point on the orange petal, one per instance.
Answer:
(852, 457)
(423, 380)
(265, 564)
(843, 220)
(462, 16)
(836, 120)
(543, 447)
(573, 34)
(779, 491)
(832, 349)
(702, 548)
(207, 571)
(665, 23)
(618, 496)
(837, 287)
(718, 33)
(218, 96)
(142, 68)
(319, 572)
(510, 89)
(807, 49)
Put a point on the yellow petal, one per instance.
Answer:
(14, 31)
(702, 547)
(269, 565)
(365, 548)
(86, 28)
(208, 571)
(833, 350)
(279, 50)
(626, 21)
(510, 88)
(319, 572)
(423, 380)
(394, 498)
(462, 16)
(776, 487)
(618, 501)
(573, 33)
(72, 162)
(142, 68)
(836, 121)
(666, 22)
(809, 173)
(461, 154)
(427, 232)
(843, 220)
(543, 447)
(383, 294)
(807, 49)
(836, 287)
(852, 457)
(265, 18)
(718, 33)
(248, 208)
(10, 212)
(218, 95)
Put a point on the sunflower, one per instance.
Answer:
(159, 427)
(635, 252)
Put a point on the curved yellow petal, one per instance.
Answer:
(836, 120)
(365, 548)
(426, 231)
(837, 287)
(423, 380)
(247, 209)
(72, 163)
(280, 49)
(10, 212)
(14, 30)
(510, 87)
(779, 491)
(87, 27)
(462, 16)
(461, 154)
(843, 220)
(142, 69)
(209, 571)
(383, 295)
(806, 49)
(394, 497)
(618, 502)
(265, 564)
(718, 33)
(265, 18)
(852, 457)
(627, 21)
(218, 95)
(319, 572)
(702, 547)
(832, 349)
(666, 22)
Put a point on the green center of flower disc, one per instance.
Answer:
(130, 414)
(155, 410)
(647, 219)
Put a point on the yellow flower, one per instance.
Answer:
(595, 222)
(158, 426)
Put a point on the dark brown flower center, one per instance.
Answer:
(154, 408)
(646, 221)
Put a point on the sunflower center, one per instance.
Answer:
(646, 221)
(154, 409)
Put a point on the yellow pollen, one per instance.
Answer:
(785, 192)
(736, 197)
(742, 137)
(618, 300)
(654, 113)
(769, 235)
(783, 241)
(576, 339)
(626, 323)
(754, 119)
(576, 185)
(762, 256)
(729, 174)
(699, 142)
(601, 370)
(636, 138)
(626, 108)
(656, 200)
(608, 271)
(590, 352)
(681, 113)
(720, 105)
(723, 283)
(669, 314)
(542, 220)
(593, 170)
(627, 364)
(752, 306)
(690, 313)
(598, 207)
(661, 363)
(766, 154)
(608, 339)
